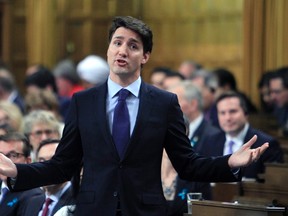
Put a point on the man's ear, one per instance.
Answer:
(28, 160)
(145, 58)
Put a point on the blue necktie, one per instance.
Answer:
(230, 145)
(4, 191)
(121, 123)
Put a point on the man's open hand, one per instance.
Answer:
(245, 155)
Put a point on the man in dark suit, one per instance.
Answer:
(233, 119)
(59, 194)
(125, 178)
(16, 147)
(191, 103)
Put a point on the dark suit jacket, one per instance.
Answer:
(214, 146)
(178, 206)
(136, 179)
(204, 130)
(35, 203)
(14, 202)
(19, 101)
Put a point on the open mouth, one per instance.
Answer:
(121, 62)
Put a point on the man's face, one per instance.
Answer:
(189, 108)
(14, 151)
(231, 116)
(47, 152)
(125, 55)
(44, 154)
(157, 79)
(186, 69)
(278, 94)
(41, 132)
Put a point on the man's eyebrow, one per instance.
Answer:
(130, 39)
(118, 37)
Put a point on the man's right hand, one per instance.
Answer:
(7, 167)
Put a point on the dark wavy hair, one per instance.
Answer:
(135, 25)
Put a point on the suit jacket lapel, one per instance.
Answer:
(65, 199)
(99, 100)
(145, 99)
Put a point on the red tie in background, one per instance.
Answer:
(48, 201)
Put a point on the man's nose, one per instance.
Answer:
(123, 50)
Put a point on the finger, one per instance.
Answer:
(250, 142)
(256, 154)
(264, 147)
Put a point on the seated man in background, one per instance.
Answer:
(40, 125)
(55, 196)
(16, 147)
(233, 120)
(191, 102)
(278, 87)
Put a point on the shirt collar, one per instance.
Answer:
(4, 185)
(114, 88)
(241, 136)
(194, 125)
(55, 197)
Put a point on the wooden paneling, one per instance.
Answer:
(208, 31)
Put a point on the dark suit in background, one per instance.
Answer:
(214, 146)
(14, 203)
(35, 204)
(204, 130)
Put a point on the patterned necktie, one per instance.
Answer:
(230, 146)
(4, 191)
(121, 123)
(48, 201)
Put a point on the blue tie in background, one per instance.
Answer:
(4, 191)
(231, 144)
(121, 123)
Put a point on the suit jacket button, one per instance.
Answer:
(115, 194)
(120, 166)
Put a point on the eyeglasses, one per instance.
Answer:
(14, 155)
(276, 91)
(39, 133)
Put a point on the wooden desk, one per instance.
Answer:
(211, 208)
(274, 189)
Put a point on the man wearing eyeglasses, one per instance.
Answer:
(40, 125)
(16, 147)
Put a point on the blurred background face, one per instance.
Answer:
(14, 151)
(44, 154)
(63, 86)
(157, 79)
(265, 94)
(231, 116)
(185, 105)
(41, 132)
(278, 94)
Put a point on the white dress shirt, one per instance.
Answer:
(238, 140)
(132, 101)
